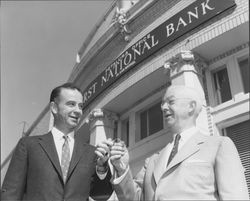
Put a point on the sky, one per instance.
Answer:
(39, 43)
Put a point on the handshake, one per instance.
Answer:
(114, 150)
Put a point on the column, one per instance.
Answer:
(102, 125)
(187, 68)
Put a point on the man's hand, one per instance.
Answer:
(103, 153)
(119, 156)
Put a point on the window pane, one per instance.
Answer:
(222, 85)
(144, 124)
(244, 69)
(155, 119)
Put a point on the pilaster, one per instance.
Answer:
(187, 68)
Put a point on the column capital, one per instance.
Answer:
(185, 60)
(101, 124)
(98, 113)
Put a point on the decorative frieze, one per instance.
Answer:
(229, 53)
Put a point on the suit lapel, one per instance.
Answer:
(48, 145)
(160, 164)
(190, 148)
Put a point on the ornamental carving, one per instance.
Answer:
(121, 19)
(100, 114)
(183, 60)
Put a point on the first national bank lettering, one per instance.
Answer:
(128, 58)
(189, 18)
(120, 65)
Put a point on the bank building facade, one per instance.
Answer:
(141, 47)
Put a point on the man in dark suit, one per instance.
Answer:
(58, 165)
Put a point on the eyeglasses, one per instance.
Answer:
(172, 102)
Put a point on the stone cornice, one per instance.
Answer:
(229, 53)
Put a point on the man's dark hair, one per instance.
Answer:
(56, 91)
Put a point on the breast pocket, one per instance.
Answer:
(198, 173)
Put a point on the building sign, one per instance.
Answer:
(187, 19)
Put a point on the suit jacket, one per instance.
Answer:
(35, 173)
(206, 168)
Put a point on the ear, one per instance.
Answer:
(192, 107)
(53, 107)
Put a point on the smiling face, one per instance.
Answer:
(67, 110)
(179, 109)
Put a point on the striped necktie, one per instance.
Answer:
(175, 148)
(65, 160)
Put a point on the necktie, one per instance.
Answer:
(175, 148)
(65, 160)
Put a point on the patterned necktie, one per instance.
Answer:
(175, 148)
(65, 160)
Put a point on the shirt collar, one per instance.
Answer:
(188, 133)
(58, 135)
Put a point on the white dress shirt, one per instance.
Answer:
(59, 141)
(185, 136)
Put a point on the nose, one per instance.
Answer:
(164, 107)
(78, 110)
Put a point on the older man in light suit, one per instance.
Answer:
(192, 167)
